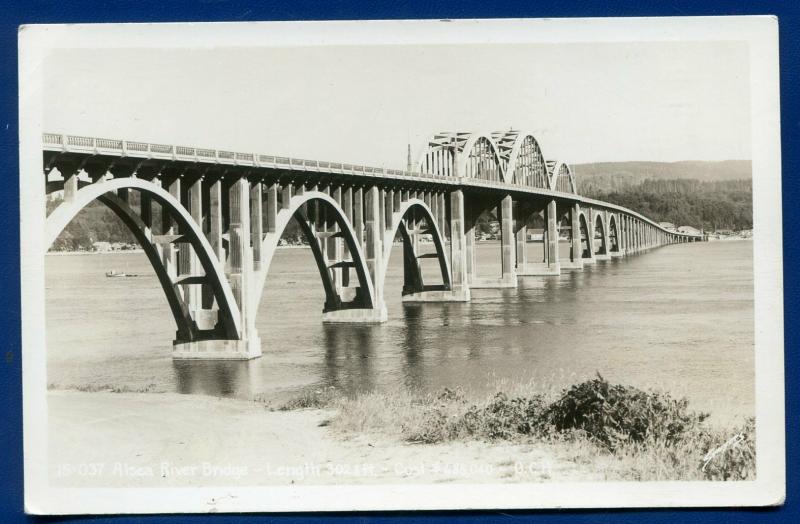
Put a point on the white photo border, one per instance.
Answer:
(760, 32)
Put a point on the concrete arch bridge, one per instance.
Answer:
(209, 222)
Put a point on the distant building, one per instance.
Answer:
(102, 247)
(669, 226)
(689, 230)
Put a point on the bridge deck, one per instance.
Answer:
(102, 147)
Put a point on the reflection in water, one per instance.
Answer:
(414, 344)
(349, 357)
(219, 378)
(679, 318)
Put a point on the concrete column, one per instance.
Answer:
(192, 292)
(70, 185)
(334, 247)
(169, 253)
(458, 245)
(358, 214)
(286, 197)
(443, 217)
(507, 239)
(240, 270)
(272, 207)
(552, 235)
(576, 251)
(382, 214)
(373, 233)
(521, 234)
(469, 232)
(348, 212)
(215, 220)
(256, 222)
(388, 208)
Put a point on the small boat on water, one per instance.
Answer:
(119, 274)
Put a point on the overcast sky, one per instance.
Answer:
(585, 102)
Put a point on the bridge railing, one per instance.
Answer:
(124, 148)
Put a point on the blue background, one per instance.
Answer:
(73, 11)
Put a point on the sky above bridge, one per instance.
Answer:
(586, 102)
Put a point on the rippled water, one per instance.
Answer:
(678, 318)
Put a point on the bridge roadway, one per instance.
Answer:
(199, 214)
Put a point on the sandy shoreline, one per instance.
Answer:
(166, 439)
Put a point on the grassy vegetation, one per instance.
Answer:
(630, 433)
(91, 388)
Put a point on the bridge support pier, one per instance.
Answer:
(576, 249)
(551, 265)
(241, 278)
(507, 241)
(459, 287)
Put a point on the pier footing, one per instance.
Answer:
(508, 281)
(539, 270)
(356, 316)
(217, 349)
(454, 295)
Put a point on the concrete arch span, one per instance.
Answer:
(413, 277)
(600, 226)
(228, 319)
(587, 236)
(365, 296)
(613, 234)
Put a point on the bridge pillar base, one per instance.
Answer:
(576, 265)
(454, 295)
(356, 316)
(540, 270)
(217, 349)
(617, 254)
(506, 281)
(604, 256)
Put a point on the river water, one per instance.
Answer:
(678, 318)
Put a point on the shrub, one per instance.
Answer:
(504, 418)
(613, 414)
(314, 399)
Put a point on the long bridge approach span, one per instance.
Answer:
(209, 222)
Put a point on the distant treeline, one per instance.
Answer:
(97, 223)
(719, 204)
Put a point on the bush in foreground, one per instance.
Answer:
(650, 435)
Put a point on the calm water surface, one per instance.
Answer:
(678, 318)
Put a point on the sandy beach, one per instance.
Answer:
(166, 439)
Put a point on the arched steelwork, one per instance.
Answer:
(440, 155)
(104, 191)
(470, 155)
(600, 227)
(525, 164)
(365, 296)
(562, 179)
(481, 159)
(413, 278)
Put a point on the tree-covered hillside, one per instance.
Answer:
(610, 176)
(721, 204)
